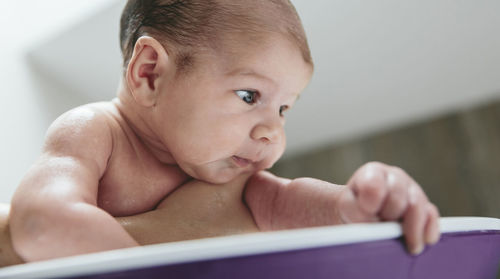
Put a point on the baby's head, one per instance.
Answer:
(212, 79)
(186, 27)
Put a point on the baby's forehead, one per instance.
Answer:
(276, 61)
(244, 51)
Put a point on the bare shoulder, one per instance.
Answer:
(83, 119)
(84, 132)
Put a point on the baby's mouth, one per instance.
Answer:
(241, 162)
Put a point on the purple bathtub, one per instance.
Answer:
(469, 248)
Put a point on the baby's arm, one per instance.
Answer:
(54, 210)
(375, 192)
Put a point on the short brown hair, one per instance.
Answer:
(189, 25)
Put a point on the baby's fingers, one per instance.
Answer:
(415, 220)
(369, 185)
(350, 210)
(396, 202)
(432, 232)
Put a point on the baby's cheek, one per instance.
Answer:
(273, 157)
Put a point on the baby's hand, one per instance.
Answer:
(380, 192)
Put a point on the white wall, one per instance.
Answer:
(379, 64)
(385, 63)
(29, 103)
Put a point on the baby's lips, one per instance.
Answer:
(241, 162)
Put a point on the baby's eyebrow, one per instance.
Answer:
(249, 72)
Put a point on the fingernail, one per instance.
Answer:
(434, 239)
(418, 249)
(430, 239)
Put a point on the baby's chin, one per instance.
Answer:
(218, 176)
(224, 171)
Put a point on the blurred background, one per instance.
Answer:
(414, 84)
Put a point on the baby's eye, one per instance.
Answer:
(283, 109)
(248, 96)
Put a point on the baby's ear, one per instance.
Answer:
(146, 70)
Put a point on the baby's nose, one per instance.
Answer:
(267, 133)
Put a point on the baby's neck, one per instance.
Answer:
(141, 129)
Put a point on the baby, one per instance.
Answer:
(198, 118)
